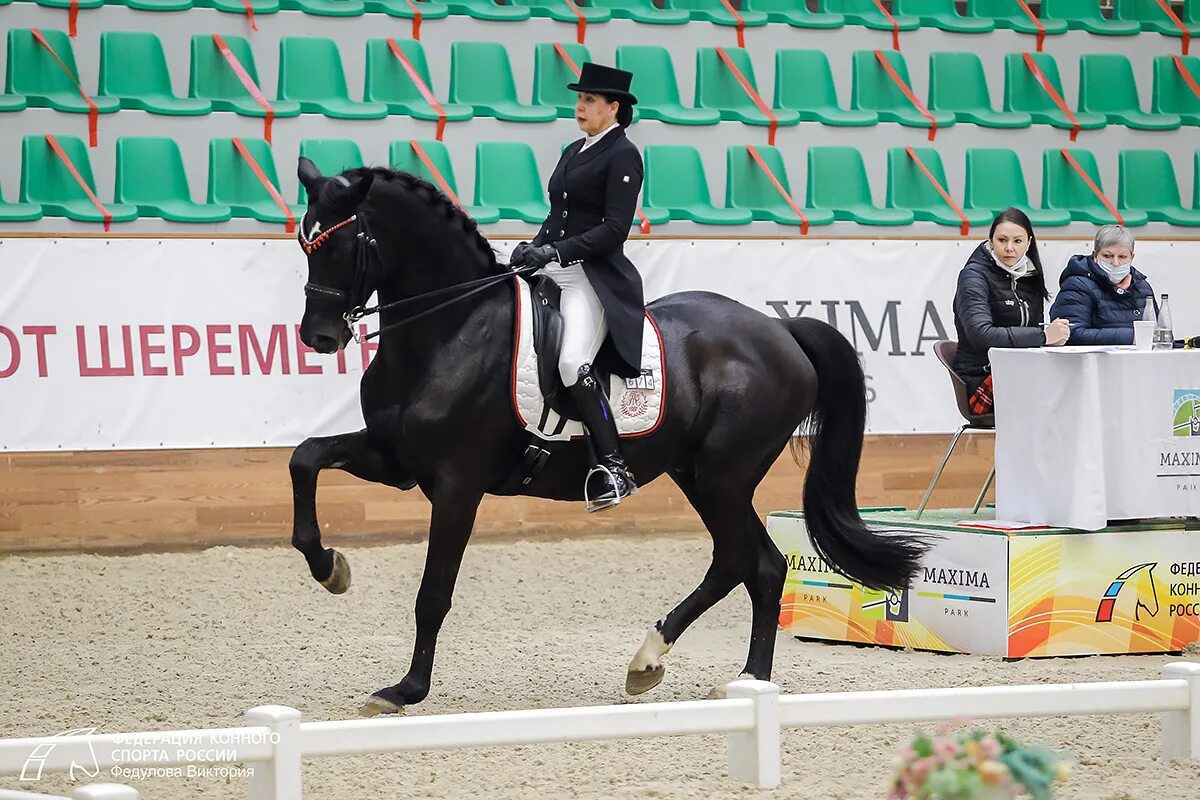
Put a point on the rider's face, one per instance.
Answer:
(594, 113)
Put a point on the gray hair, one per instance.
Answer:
(1110, 235)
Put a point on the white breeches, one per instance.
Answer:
(584, 324)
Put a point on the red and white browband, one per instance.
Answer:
(311, 245)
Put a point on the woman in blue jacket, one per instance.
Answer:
(1102, 295)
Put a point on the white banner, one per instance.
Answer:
(137, 343)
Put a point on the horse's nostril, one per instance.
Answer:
(324, 344)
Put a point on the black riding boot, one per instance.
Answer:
(611, 481)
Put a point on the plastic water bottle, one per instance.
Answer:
(1164, 337)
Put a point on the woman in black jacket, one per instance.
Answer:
(999, 303)
(1102, 295)
(593, 199)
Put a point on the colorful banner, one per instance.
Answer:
(145, 343)
(957, 605)
(1079, 594)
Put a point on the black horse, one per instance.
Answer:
(439, 414)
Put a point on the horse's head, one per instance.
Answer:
(333, 236)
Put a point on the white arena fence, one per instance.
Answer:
(95, 791)
(274, 742)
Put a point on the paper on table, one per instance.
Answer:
(998, 524)
(1085, 348)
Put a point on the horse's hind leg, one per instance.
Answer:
(354, 453)
(766, 574)
(724, 516)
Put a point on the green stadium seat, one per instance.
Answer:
(231, 181)
(716, 87)
(865, 12)
(13, 102)
(506, 177)
(325, 8)
(1022, 92)
(488, 10)
(151, 177)
(551, 76)
(795, 13)
(656, 89)
(388, 82)
(153, 5)
(1008, 16)
(1084, 15)
(1107, 86)
(401, 156)
(1062, 187)
(133, 70)
(332, 157)
(995, 182)
(907, 187)
(714, 11)
(481, 76)
(19, 212)
(957, 85)
(1151, 17)
(34, 73)
(310, 73)
(46, 181)
(430, 9)
(83, 4)
(238, 6)
(212, 78)
(643, 11)
(1148, 184)
(675, 181)
(874, 90)
(748, 187)
(1196, 180)
(804, 83)
(1172, 95)
(837, 180)
(942, 14)
(561, 11)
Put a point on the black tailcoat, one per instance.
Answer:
(593, 199)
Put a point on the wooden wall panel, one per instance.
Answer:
(135, 501)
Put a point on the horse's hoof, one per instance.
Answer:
(376, 706)
(643, 680)
(339, 580)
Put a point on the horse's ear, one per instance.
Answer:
(310, 177)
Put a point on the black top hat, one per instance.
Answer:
(611, 82)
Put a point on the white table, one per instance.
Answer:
(1085, 435)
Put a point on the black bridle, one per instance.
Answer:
(366, 249)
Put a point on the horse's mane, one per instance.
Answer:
(433, 197)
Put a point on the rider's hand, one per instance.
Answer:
(519, 253)
(1058, 332)
(541, 256)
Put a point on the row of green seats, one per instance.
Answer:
(151, 182)
(134, 75)
(1057, 16)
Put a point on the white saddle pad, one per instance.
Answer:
(637, 403)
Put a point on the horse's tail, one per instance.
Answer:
(835, 430)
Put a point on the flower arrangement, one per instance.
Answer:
(974, 765)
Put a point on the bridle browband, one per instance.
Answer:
(352, 301)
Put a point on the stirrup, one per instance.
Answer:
(612, 497)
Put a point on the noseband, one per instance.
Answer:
(365, 246)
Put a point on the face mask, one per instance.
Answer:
(1021, 269)
(1116, 273)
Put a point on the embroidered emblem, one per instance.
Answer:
(634, 404)
(625, 179)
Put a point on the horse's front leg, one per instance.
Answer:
(355, 453)
(449, 529)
